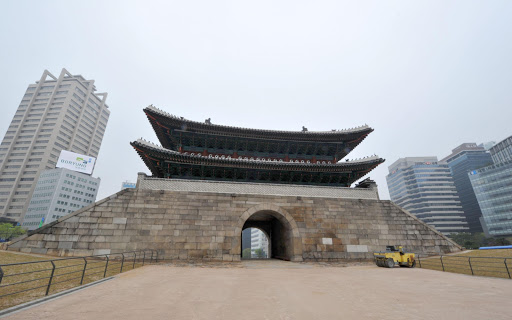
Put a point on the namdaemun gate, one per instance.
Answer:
(209, 182)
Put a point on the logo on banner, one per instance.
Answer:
(76, 162)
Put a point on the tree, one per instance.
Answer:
(477, 240)
(259, 253)
(468, 240)
(246, 254)
(463, 239)
(8, 231)
(489, 242)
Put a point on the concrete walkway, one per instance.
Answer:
(283, 290)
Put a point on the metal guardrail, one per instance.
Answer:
(476, 266)
(23, 277)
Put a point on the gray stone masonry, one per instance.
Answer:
(208, 226)
(150, 183)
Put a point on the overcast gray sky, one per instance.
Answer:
(426, 75)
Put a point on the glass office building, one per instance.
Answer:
(493, 190)
(425, 188)
(464, 159)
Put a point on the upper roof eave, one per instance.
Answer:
(327, 136)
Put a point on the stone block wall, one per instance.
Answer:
(249, 188)
(208, 226)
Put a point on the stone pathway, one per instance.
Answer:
(283, 290)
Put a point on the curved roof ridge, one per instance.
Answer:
(349, 130)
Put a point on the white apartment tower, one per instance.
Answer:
(59, 192)
(56, 113)
(258, 241)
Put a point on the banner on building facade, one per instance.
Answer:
(76, 162)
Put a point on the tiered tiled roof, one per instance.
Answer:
(194, 150)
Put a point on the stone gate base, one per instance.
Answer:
(208, 226)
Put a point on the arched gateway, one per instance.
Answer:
(279, 226)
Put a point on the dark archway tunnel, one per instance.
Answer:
(277, 230)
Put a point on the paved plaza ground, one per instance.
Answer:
(282, 290)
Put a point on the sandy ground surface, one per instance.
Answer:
(283, 290)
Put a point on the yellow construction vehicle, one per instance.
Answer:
(394, 255)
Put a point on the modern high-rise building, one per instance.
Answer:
(258, 241)
(246, 239)
(56, 113)
(502, 151)
(59, 192)
(487, 145)
(128, 185)
(493, 190)
(425, 188)
(464, 159)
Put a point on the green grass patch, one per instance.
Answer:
(22, 283)
(489, 263)
(505, 253)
